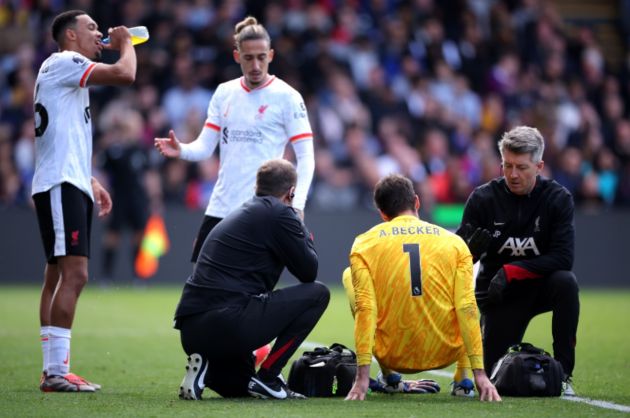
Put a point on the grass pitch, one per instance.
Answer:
(123, 339)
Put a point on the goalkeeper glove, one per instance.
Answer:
(497, 287)
(477, 240)
(394, 383)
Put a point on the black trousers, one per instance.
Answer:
(227, 335)
(504, 324)
(208, 223)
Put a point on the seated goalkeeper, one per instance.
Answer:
(410, 286)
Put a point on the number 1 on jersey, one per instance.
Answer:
(415, 269)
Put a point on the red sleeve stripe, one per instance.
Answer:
(300, 136)
(513, 272)
(86, 75)
(212, 126)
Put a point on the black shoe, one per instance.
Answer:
(192, 386)
(276, 389)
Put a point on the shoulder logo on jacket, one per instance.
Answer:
(519, 246)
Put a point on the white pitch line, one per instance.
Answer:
(595, 402)
(308, 345)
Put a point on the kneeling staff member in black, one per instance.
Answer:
(228, 306)
(525, 253)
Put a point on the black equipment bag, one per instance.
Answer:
(527, 371)
(324, 372)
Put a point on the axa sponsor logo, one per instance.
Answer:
(520, 246)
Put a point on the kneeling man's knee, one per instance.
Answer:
(564, 280)
(321, 291)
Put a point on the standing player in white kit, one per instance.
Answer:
(251, 118)
(64, 190)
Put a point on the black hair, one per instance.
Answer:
(394, 194)
(62, 22)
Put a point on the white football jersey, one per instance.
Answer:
(63, 126)
(253, 126)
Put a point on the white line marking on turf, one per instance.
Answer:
(309, 345)
(441, 373)
(595, 402)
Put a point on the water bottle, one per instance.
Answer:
(139, 35)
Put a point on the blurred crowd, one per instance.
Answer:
(420, 87)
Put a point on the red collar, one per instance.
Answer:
(247, 89)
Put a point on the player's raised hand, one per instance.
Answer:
(169, 147)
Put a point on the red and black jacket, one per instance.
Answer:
(532, 235)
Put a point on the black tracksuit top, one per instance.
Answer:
(245, 254)
(532, 235)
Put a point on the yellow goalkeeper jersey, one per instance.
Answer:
(415, 306)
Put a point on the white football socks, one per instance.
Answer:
(44, 334)
(59, 360)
